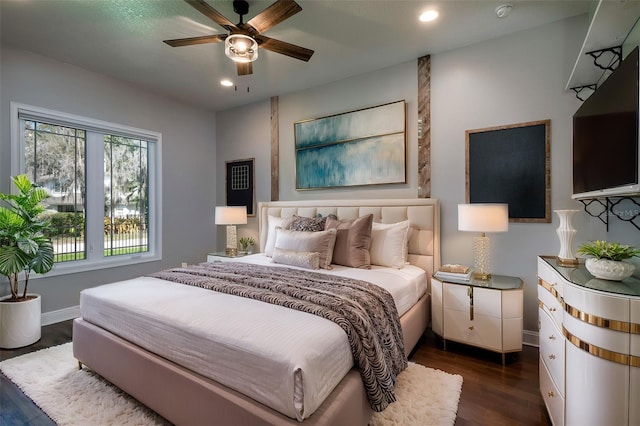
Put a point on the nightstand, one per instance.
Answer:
(486, 314)
(221, 256)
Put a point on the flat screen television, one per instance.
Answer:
(606, 155)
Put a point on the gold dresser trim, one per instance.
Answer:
(597, 320)
(598, 351)
(550, 288)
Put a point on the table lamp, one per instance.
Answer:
(231, 216)
(483, 218)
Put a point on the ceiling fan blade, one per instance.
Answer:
(244, 68)
(274, 14)
(195, 40)
(284, 48)
(208, 11)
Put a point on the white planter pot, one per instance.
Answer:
(20, 322)
(611, 270)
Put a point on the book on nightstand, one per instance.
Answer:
(453, 271)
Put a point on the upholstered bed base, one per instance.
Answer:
(186, 398)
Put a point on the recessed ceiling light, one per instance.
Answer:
(226, 83)
(429, 15)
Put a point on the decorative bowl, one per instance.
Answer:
(612, 270)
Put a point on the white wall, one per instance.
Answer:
(243, 133)
(188, 153)
(508, 80)
(513, 79)
(396, 83)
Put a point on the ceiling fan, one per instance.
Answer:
(243, 40)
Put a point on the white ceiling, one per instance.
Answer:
(123, 39)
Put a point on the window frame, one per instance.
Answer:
(95, 190)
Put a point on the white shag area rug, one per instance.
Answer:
(51, 378)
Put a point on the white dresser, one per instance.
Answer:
(487, 314)
(589, 346)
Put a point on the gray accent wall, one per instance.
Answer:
(188, 156)
(507, 80)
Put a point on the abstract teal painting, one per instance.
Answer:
(363, 147)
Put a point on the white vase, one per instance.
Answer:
(566, 232)
(20, 323)
(612, 270)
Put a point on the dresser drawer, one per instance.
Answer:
(551, 303)
(552, 349)
(552, 397)
(550, 276)
(485, 302)
(483, 331)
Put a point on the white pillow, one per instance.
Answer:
(272, 223)
(321, 242)
(389, 242)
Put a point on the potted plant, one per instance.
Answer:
(25, 247)
(607, 259)
(245, 242)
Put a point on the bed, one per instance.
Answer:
(173, 383)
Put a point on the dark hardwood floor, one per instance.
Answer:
(491, 394)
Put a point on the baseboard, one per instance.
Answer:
(60, 315)
(530, 338)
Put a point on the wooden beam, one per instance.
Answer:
(275, 151)
(424, 126)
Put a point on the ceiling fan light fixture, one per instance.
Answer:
(241, 48)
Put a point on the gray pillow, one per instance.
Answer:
(353, 241)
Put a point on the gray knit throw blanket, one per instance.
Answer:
(366, 312)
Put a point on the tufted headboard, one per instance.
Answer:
(423, 215)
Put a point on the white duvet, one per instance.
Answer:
(285, 359)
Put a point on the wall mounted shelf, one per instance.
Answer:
(610, 23)
(604, 208)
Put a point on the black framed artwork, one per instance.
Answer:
(511, 164)
(240, 187)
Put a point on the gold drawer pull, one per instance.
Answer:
(552, 337)
(552, 309)
(551, 394)
(470, 327)
(552, 356)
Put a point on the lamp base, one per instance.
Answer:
(481, 257)
(232, 241)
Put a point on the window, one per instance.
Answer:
(104, 181)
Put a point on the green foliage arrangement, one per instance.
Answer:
(245, 242)
(606, 250)
(24, 244)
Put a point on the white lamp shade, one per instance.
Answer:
(480, 217)
(226, 215)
